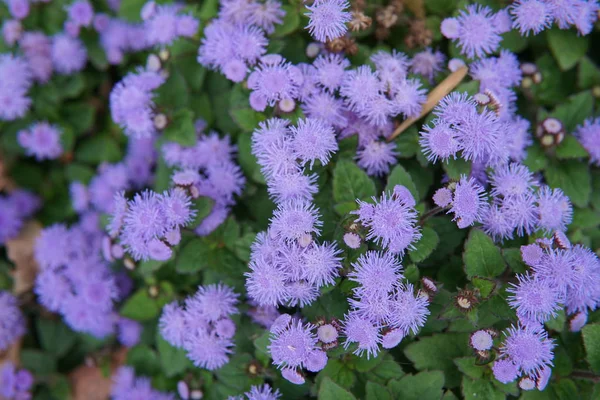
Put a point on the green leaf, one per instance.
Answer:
(588, 74)
(573, 178)
(246, 118)
(144, 360)
(481, 256)
(38, 362)
(399, 176)
(575, 110)
(173, 94)
(457, 167)
(566, 389)
(291, 22)
(536, 159)
(425, 246)
(338, 372)
(173, 361)
(364, 364)
(468, 366)
(193, 256)
(375, 391)
(140, 306)
(97, 149)
(329, 390)
(180, 128)
(437, 352)
(514, 260)
(203, 207)
(567, 47)
(130, 10)
(351, 183)
(480, 389)
(385, 370)
(422, 386)
(485, 286)
(591, 341)
(55, 337)
(570, 148)
(247, 160)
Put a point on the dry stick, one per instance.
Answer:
(440, 91)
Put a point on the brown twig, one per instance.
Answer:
(587, 375)
(438, 93)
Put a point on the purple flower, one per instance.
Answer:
(391, 223)
(585, 15)
(12, 31)
(477, 34)
(554, 209)
(274, 79)
(15, 81)
(442, 197)
(377, 157)
(505, 370)
(217, 216)
(427, 63)
(361, 331)
(439, 141)
(81, 13)
(19, 9)
(292, 186)
(528, 349)
(495, 73)
(176, 205)
(161, 27)
(584, 291)
(327, 19)
(531, 16)
(520, 211)
(265, 283)
(12, 322)
(469, 202)
(207, 349)
(321, 264)
(41, 140)
(392, 68)
(478, 135)
(408, 311)
(313, 140)
(481, 340)
(267, 15)
(15, 384)
(126, 386)
(68, 54)
(128, 332)
(264, 392)
(330, 70)
(534, 299)
(10, 220)
(409, 98)
(453, 108)
(212, 302)
(359, 86)
(327, 108)
(588, 135)
(376, 273)
(512, 180)
(497, 223)
(291, 346)
(172, 324)
(293, 219)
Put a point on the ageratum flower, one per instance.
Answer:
(266, 15)
(363, 332)
(15, 81)
(264, 392)
(126, 386)
(469, 203)
(313, 140)
(439, 141)
(531, 16)
(41, 140)
(330, 71)
(327, 19)
(68, 54)
(427, 63)
(408, 310)
(293, 219)
(554, 209)
(534, 299)
(15, 383)
(505, 370)
(530, 350)
(588, 135)
(274, 79)
(377, 157)
(81, 13)
(12, 322)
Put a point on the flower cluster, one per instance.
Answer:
(163, 24)
(131, 104)
(77, 283)
(12, 321)
(69, 55)
(391, 220)
(384, 310)
(287, 266)
(294, 346)
(15, 384)
(534, 16)
(264, 392)
(126, 386)
(37, 50)
(80, 14)
(14, 209)
(327, 19)
(149, 224)
(42, 141)
(202, 327)
(476, 133)
(118, 37)
(236, 40)
(588, 135)
(15, 80)
(207, 169)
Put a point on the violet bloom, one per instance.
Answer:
(267, 15)
(481, 340)
(294, 345)
(10, 220)
(427, 63)
(469, 202)
(391, 222)
(363, 332)
(530, 350)
(359, 86)
(293, 186)
(19, 9)
(11, 31)
(15, 81)
(313, 140)
(505, 370)
(408, 98)
(68, 54)
(129, 332)
(474, 30)
(327, 19)
(203, 328)
(409, 311)
(330, 70)
(274, 79)
(37, 49)
(81, 13)
(41, 140)
(377, 157)
(588, 135)
(534, 299)
(439, 141)
(554, 209)
(293, 219)
(531, 16)
(126, 386)
(12, 321)
(15, 383)
(165, 25)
